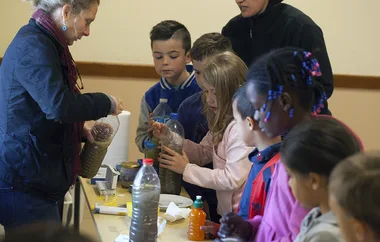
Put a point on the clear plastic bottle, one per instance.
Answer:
(93, 153)
(171, 182)
(197, 218)
(145, 199)
(150, 151)
(162, 112)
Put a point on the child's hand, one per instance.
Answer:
(150, 123)
(211, 229)
(234, 225)
(173, 161)
(160, 131)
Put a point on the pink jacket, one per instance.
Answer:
(231, 167)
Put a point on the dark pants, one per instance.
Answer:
(18, 208)
(208, 195)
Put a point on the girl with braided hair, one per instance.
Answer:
(284, 91)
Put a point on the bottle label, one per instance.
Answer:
(159, 119)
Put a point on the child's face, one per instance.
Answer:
(304, 189)
(277, 123)
(351, 229)
(198, 69)
(210, 93)
(169, 58)
(245, 127)
(250, 8)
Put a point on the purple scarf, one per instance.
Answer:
(45, 20)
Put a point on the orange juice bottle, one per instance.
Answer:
(197, 218)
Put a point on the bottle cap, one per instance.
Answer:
(174, 116)
(148, 161)
(198, 202)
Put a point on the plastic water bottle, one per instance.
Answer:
(150, 151)
(162, 112)
(197, 218)
(145, 199)
(171, 182)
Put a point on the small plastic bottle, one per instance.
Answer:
(197, 218)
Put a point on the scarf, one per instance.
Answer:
(44, 19)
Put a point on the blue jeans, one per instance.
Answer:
(18, 208)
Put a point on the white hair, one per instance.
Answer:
(50, 5)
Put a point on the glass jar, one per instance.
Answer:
(128, 171)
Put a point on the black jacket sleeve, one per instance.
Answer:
(40, 73)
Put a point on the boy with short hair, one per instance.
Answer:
(190, 113)
(192, 108)
(170, 43)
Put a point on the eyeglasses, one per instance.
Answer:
(79, 85)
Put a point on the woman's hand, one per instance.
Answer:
(160, 131)
(118, 106)
(173, 161)
(87, 133)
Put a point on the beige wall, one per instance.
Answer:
(121, 31)
(120, 34)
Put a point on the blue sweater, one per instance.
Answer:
(190, 115)
(163, 89)
(259, 159)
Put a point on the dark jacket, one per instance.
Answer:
(280, 25)
(190, 115)
(37, 114)
(151, 99)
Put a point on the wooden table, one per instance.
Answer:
(110, 226)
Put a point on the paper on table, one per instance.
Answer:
(122, 238)
(174, 213)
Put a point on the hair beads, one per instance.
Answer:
(295, 70)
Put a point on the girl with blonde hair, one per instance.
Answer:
(224, 73)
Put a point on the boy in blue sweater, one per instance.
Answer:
(191, 116)
(190, 112)
(170, 43)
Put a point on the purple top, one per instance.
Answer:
(283, 214)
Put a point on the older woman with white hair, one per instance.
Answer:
(43, 112)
